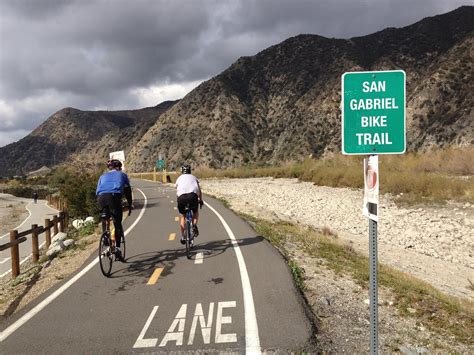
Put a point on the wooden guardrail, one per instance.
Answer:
(57, 224)
(57, 202)
(164, 176)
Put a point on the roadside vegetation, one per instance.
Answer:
(413, 298)
(75, 187)
(413, 177)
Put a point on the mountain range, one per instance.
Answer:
(281, 104)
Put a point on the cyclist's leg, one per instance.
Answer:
(195, 208)
(103, 201)
(116, 212)
(182, 212)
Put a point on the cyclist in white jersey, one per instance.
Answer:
(188, 192)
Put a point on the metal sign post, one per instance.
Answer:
(370, 209)
(373, 296)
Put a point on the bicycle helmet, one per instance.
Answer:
(186, 169)
(114, 164)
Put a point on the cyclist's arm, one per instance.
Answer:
(200, 192)
(128, 194)
(127, 190)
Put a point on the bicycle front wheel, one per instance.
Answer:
(105, 255)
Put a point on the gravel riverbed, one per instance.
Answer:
(434, 244)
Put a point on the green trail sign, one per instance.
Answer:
(160, 164)
(373, 112)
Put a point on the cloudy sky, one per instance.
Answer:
(104, 54)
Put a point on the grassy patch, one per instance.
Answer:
(26, 276)
(441, 313)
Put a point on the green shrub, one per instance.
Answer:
(78, 189)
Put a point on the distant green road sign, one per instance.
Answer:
(373, 112)
(160, 164)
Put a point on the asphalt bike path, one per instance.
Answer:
(235, 293)
(38, 212)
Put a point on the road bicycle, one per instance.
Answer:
(107, 248)
(188, 230)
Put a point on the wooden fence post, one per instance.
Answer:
(15, 254)
(35, 243)
(47, 232)
(61, 221)
(55, 225)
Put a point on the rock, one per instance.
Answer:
(69, 242)
(411, 310)
(59, 237)
(89, 220)
(52, 252)
(77, 223)
(412, 351)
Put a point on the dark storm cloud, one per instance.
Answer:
(107, 54)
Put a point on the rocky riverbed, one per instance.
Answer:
(435, 244)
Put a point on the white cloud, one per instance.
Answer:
(7, 137)
(153, 95)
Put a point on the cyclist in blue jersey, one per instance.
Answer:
(112, 185)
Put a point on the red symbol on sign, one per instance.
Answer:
(371, 178)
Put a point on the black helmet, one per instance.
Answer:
(114, 164)
(186, 169)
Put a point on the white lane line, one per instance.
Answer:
(29, 215)
(199, 258)
(252, 340)
(25, 318)
(4, 261)
(22, 223)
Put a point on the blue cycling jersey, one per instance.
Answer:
(112, 182)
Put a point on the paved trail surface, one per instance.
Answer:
(235, 293)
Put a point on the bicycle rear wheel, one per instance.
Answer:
(187, 237)
(122, 246)
(105, 256)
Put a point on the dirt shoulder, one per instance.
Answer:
(34, 280)
(12, 212)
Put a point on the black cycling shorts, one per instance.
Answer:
(192, 199)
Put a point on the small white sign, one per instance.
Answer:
(119, 155)
(371, 187)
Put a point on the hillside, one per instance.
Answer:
(283, 103)
(83, 137)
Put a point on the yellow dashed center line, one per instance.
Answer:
(175, 208)
(154, 277)
(176, 219)
(172, 236)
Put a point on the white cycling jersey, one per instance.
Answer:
(186, 184)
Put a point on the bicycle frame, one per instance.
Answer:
(189, 235)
